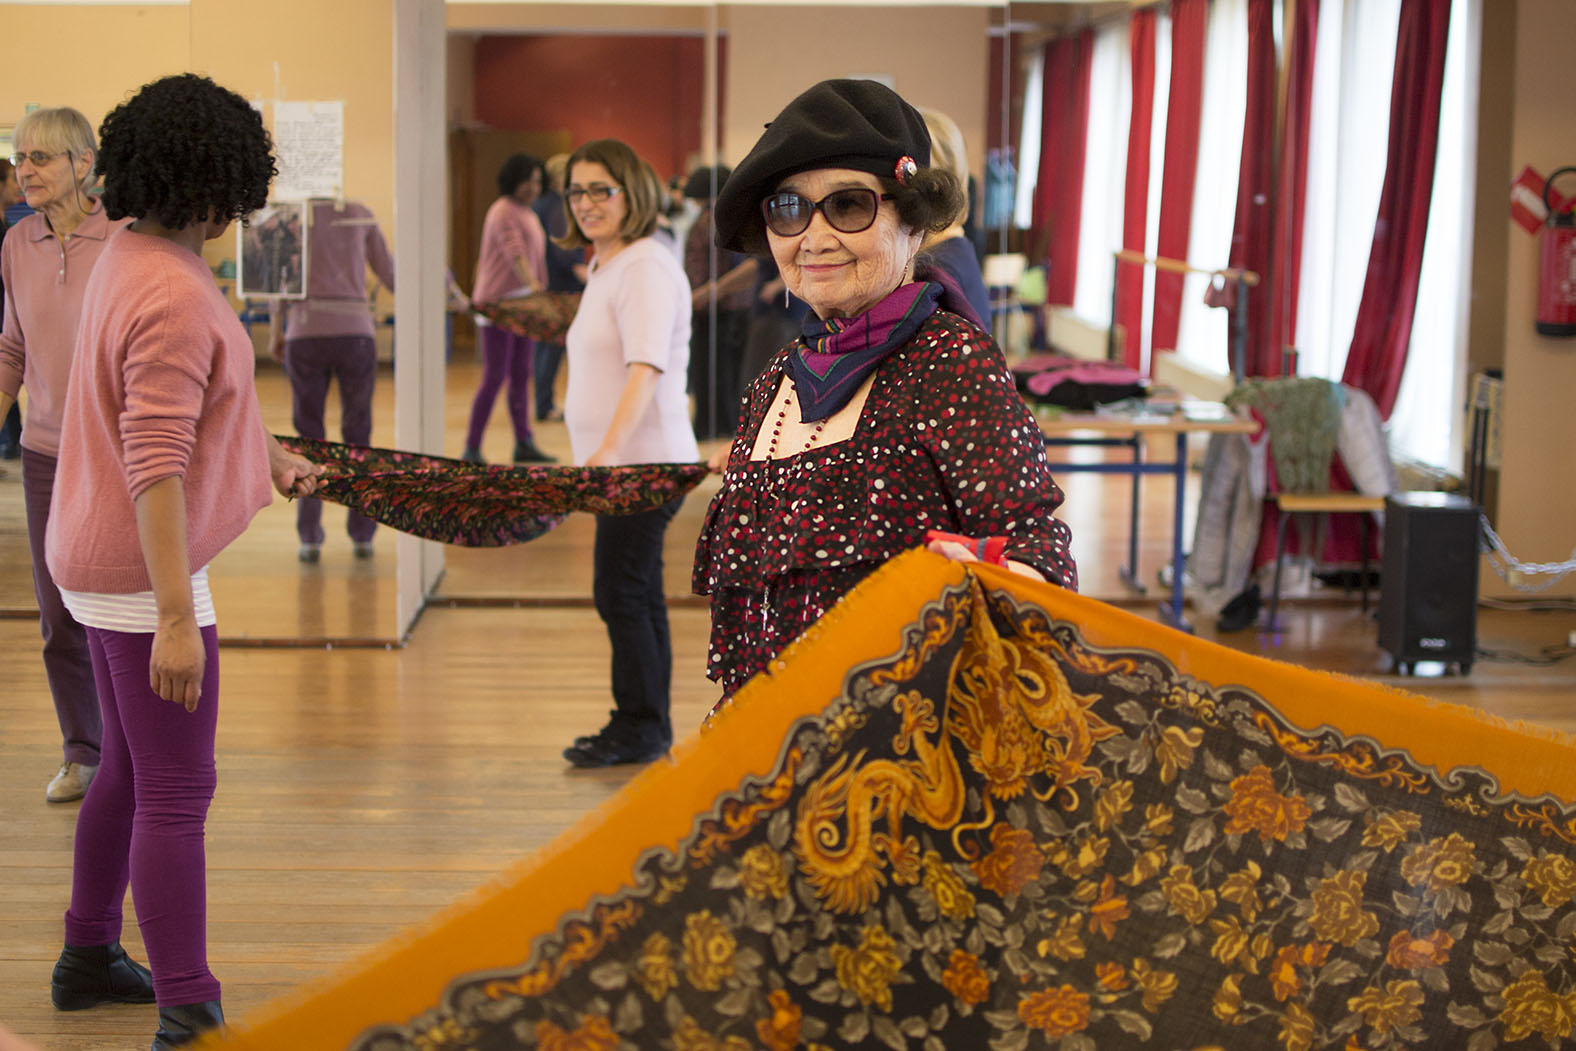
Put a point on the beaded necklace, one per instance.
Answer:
(777, 425)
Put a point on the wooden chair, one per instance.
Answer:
(1320, 504)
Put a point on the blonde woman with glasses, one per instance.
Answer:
(45, 263)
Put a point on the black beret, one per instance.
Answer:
(858, 124)
(699, 185)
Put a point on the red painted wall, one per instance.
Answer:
(646, 90)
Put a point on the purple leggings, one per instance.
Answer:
(142, 820)
(504, 356)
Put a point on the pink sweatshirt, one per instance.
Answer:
(510, 231)
(44, 281)
(341, 243)
(161, 386)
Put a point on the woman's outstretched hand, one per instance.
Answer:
(293, 475)
(963, 553)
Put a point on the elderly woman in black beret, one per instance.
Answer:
(892, 418)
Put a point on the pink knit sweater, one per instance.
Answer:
(509, 232)
(161, 385)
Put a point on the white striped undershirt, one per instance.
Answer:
(134, 614)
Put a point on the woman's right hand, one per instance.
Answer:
(717, 462)
(175, 670)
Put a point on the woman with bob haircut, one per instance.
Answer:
(892, 421)
(628, 354)
(163, 462)
(44, 267)
(950, 249)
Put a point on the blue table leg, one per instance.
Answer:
(1171, 612)
(1129, 572)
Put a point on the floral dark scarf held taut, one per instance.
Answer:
(477, 505)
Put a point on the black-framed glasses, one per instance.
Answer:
(596, 193)
(38, 158)
(849, 210)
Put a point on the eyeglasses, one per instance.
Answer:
(849, 211)
(38, 157)
(596, 193)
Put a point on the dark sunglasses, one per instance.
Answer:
(848, 211)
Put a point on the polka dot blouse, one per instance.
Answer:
(944, 442)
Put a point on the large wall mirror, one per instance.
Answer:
(671, 78)
(687, 85)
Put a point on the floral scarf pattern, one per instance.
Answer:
(481, 505)
(1003, 836)
(545, 316)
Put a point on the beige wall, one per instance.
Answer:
(933, 56)
(1537, 495)
(69, 57)
(295, 50)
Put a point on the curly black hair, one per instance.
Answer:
(518, 169)
(184, 150)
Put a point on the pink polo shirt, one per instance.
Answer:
(45, 278)
(510, 231)
(161, 387)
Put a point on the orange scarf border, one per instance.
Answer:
(496, 925)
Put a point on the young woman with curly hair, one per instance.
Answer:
(163, 462)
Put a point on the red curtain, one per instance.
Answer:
(1058, 191)
(1129, 294)
(1384, 316)
(1189, 22)
(1281, 296)
(1252, 231)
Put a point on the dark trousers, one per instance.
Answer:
(67, 664)
(548, 357)
(311, 365)
(11, 431)
(715, 370)
(506, 357)
(143, 820)
(627, 589)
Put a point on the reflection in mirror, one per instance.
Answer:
(260, 589)
(690, 87)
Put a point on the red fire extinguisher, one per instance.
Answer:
(1557, 267)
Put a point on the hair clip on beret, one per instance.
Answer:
(905, 169)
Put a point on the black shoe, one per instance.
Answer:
(10, 450)
(1241, 611)
(184, 1023)
(616, 745)
(527, 452)
(88, 975)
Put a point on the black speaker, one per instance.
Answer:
(1428, 587)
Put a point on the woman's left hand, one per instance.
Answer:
(951, 549)
(175, 667)
(961, 553)
(293, 475)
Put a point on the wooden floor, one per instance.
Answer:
(362, 787)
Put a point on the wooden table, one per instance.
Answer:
(1112, 428)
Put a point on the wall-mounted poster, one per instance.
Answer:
(272, 252)
(309, 142)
